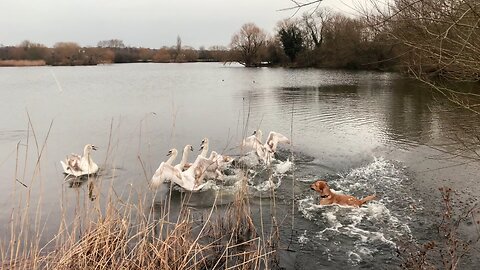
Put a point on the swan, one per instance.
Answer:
(80, 165)
(190, 179)
(254, 141)
(273, 139)
(204, 147)
(203, 154)
(164, 173)
(181, 166)
(223, 161)
(211, 167)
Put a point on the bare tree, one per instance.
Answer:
(112, 43)
(314, 26)
(441, 40)
(248, 42)
(179, 57)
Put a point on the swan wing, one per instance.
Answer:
(71, 166)
(165, 172)
(157, 176)
(251, 143)
(275, 138)
(205, 164)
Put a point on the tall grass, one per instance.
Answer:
(22, 63)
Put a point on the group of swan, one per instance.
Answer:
(265, 151)
(189, 176)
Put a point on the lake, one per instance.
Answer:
(364, 132)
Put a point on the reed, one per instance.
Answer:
(22, 63)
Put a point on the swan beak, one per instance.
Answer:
(169, 153)
(191, 148)
(254, 132)
(201, 148)
(94, 148)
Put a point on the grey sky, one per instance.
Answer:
(146, 23)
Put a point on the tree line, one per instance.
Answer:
(322, 39)
(426, 38)
(106, 52)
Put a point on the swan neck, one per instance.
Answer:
(171, 158)
(184, 157)
(259, 135)
(204, 150)
(86, 155)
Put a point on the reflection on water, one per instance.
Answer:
(362, 131)
(77, 182)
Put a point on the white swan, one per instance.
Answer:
(223, 161)
(78, 166)
(190, 179)
(273, 139)
(204, 147)
(164, 172)
(183, 162)
(211, 167)
(254, 141)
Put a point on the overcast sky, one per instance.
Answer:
(139, 23)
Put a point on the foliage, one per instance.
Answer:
(291, 38)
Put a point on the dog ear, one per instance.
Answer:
(326, 190)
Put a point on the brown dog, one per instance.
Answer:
(330, 197)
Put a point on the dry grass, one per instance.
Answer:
(22, 63)
(128, 236)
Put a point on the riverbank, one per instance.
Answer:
(22, 63)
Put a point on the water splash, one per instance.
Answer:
(361, 233)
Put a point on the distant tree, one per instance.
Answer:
(66, 53)
(162, 56)
(145, 54)
(291, 38)
(275, 54)
(112, 43)
(189, 54)
(248, 43)
(178, 51)
(203, 54)
(34, 51)
(219, 53)
(313, 25)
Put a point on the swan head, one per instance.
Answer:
(257, 133)
(204, 142)
(172, 151)
(89, 148)
(189, 147)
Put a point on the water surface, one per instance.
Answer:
(365, 132)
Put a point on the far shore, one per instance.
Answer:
(22, 63)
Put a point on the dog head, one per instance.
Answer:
(321, 187)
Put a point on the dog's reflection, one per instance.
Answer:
(78, 182)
